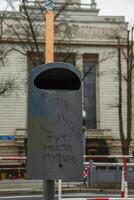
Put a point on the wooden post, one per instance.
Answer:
(49, 57)
(49, 37)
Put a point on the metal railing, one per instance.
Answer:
(18, 164)
(42, 4)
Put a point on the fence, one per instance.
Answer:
(97, 171)
(107, 173)
(12, 167)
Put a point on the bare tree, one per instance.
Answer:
(28, 28)
(125, 133)
(7, 85)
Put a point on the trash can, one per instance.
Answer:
(55, 139)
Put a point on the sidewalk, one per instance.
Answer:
(36, 187)
(21, 186)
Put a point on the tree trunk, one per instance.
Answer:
(120, 97)
(125, 147)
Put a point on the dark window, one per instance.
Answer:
(37, 58)
(65, 57)
(34, 59)
(89, 63)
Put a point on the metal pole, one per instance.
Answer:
(84, 132)
(108, 156)
(48, 186)
(48, 189)
(59, 189)
(125, 178)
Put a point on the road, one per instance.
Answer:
(78, 196)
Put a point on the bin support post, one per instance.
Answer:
(91, 175)
(49, 37)
(48, 189)
(49, 57)
(59, 189)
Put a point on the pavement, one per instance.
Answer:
(20, 186)
(36, 187)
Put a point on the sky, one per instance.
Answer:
(116, 8)
(110, 7)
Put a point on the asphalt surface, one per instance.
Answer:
(76, 196)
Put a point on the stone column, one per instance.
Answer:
(79, 65)
(79, 62)
(93, 4)
(38, 2)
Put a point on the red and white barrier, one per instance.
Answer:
(106, 198)
(102, 198)
(85, 156)
(122, 194)
(13, 158)
(108, 156)
(124, 184)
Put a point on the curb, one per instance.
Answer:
(64, 190)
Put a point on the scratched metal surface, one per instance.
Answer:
(55, 140)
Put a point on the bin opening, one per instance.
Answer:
(58, 79)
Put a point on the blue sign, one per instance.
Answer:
(7, 137)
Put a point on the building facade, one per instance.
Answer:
(83, 38)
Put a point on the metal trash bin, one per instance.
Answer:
(55, 140)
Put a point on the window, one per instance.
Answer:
(89, 64)
(35, 59)
(65, 57)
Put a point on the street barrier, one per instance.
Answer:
(15, 167)
(91, 165)
(124, 179)
(109, 198)
(13, 158)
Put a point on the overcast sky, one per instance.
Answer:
(111, 7)
(116, 7)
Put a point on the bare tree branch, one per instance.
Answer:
(110, 55)
(63, 8)
(7, 86)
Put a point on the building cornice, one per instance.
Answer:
(74, 42)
